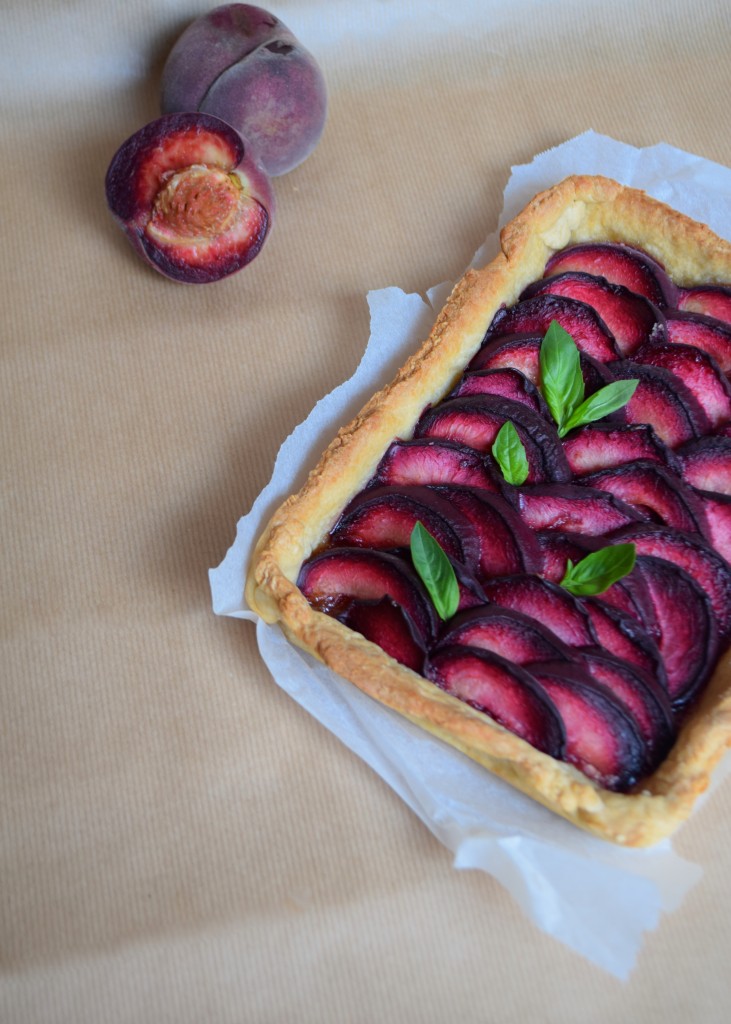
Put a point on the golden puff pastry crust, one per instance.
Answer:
(579, 209)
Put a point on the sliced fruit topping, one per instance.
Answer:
(628, 316)
(475, 421)
(702, 332)
(709, 300)
(505, 545)
(625, 637)
(573, 508)
(662, 401)
(618, 264)
(646, 701)
(557, 549)
(654, 491)
(602, 739)
(387, 624)
(520, 351)
(508, 633)
(687, 637)
(188, 198)
(546, 602)
(434, 461)
(384, 517)
(717, 510)
(329, 578)
(535, 315)
(505, 692)
(706, 464)
(506, 382)
(698, 371)
(692, 553)
(597, 446)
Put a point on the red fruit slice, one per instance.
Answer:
(329, 578)
(701, 332)
(706, 464)
(602, 739)
(506, 382)
(618, 264)
(433, 461)
(505, 545)
(698, 371)
(384, 517)
(628, 316)
(687, 636)
(556, 549)
(625, 637)
(190, 201)
(535, 316)
(653, 489)
(476, 419)
(598, 446)
(505, 692)
(689, 552)
(663, 401)
(709, 300)
(506, 632)
(717, 510)
(548, 603)
(387, 624)
(645, 700)
(517, 351)
(573, 509)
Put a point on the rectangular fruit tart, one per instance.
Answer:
(523, 542)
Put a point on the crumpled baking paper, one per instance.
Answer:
(595, 897)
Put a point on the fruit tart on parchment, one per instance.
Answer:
(523, 542)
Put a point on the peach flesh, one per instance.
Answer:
(189, 199)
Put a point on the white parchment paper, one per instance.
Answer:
(597, 898)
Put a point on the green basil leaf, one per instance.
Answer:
(435, 570)
(562, 382)
(599, 570)
(607, 399)
(509, 453)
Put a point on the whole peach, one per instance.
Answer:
(243, 65)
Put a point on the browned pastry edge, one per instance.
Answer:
(579, 209)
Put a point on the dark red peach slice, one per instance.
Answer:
(535, 315)
(662, 401)
(706, 464)
(628, 316)
(717, 509)
(476, 419)
(625, 637)
(384, 518)
(506, 632)
(645, 699)
(698, 371)
(602, 445)
(701, 332)
(653, 490)
(518, 351)
(687, 637)
(548, 603)
(504, 691)
(506, 382)
(434, 461)
(505, 545)
(691, 553)
(709, 300)
(331, 577)
(387, 624)
(602, 738)
(573, 508)
(618, 264)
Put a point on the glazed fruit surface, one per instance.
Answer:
(601, 682)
